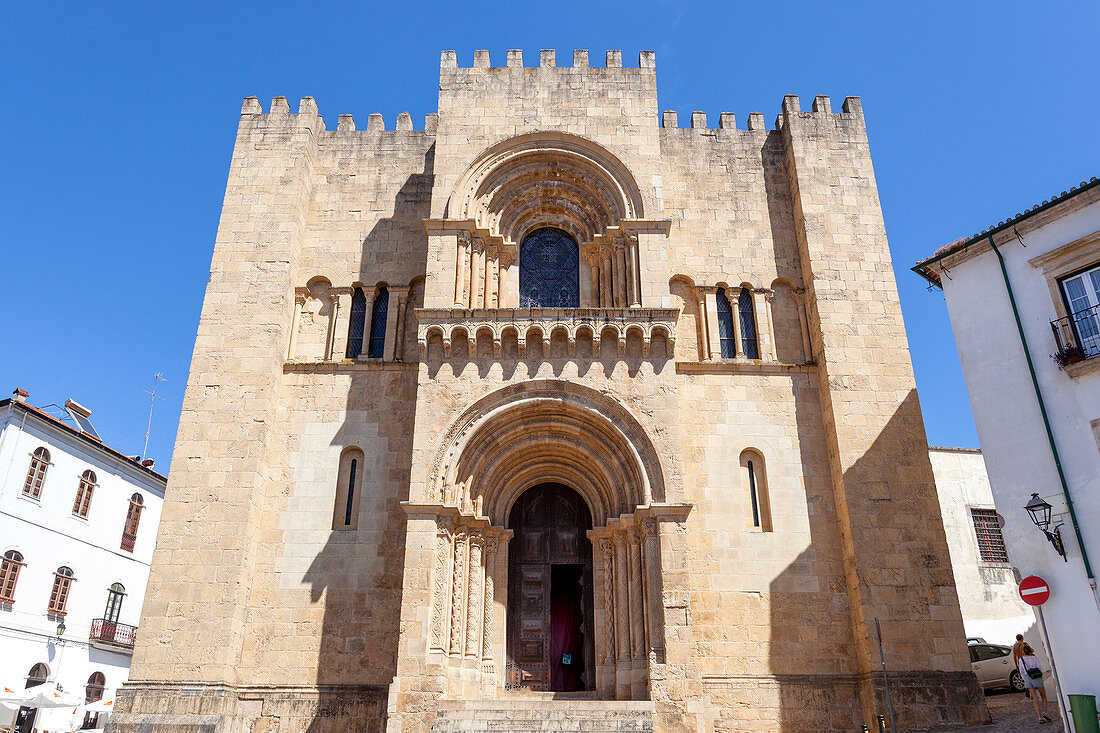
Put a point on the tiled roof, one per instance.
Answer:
(923, 269)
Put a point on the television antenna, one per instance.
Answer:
(153, 397)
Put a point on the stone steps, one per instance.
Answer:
(543, 712)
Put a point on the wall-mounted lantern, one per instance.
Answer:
(1040, 515)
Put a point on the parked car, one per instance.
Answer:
(992, 663)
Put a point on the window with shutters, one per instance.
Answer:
(84, 494)
(376, 346)
(59, 596)
(9, 575)
(991, 544)
(36, 474)
(133, 518)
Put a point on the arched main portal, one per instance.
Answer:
(550, 610)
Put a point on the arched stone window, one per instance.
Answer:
(376, 347)
(756, 484)
(9, 574)
(115, 594)
(357, 326)
(36, 474)
(133, 518)
(37, 675)
(750, 347)
(349, 482)
(725, 325)
(549, 270)
(84, 494)
(59, 595)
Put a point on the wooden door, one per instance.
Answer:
(550, 522)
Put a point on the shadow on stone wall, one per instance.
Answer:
(357, 576)
(903, 568)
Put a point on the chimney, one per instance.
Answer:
(20, 395)
(78, 408)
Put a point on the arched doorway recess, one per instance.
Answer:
(550, 609)
(505, 445)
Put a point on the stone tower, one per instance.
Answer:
(544, 397)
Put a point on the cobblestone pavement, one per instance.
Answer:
(1013, 713)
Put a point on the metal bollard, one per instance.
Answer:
(865, 728)
(881, 724)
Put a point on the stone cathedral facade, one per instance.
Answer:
(552, 400)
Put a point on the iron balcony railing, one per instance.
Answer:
(1077, 336)
(112, 633)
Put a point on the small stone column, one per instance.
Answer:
(605, 279)
(734, 297)
(477, 275)
(462, 266)
(762, 300)
(807, 347)
(295, 320)
(620, 277)
(714, 343)
(633, 286)
(397, 304)
(341, 304)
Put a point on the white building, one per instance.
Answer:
(78, 521)
(1024, 297)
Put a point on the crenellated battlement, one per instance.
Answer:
(448, 60)
(308, 116)
(851, 112)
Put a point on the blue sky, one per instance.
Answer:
(119, 122)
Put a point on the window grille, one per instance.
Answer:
(377, 345)
(725, 325)
(749, 346)
(549, 270)
(358, 323)
(9, 574)
(84, 494)
(59, 596)
(991, 544)
(36, 474)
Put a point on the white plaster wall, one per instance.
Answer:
(988, 596)
(48, 536)
(1013, 438)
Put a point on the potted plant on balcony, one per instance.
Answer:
(1068, 355)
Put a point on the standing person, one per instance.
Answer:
(1017, 652)
(1033, 680)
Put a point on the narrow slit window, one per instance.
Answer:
(84, 494)
(377, 344)
(358, 323)
(349, 485)
(36, 474)
(9, 575)
(725, 325)
(749, 345)
(756, 482)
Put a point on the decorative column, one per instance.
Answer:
(654, 620)
(458, 588)
(734, 297)
(477, 275)
(605, 617)
(605, 278)
(295, 320)
(807, 348)
(632, 538)
(594, 280)
(474, 598)
(462, 266)
(620, 277)
(623, 687)
(762, 300)
(402, 311)
(341, 305)
(633, 284)
(487, 615)
(444, 555)
(714, 343)
(397, 299)
(492, 277)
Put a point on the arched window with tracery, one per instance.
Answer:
(36, 474)
(133, 518)
(725, 325)
(37, 675)
(549, 270)
(84, 494)
(9, 575)
(750, 347)
(59, 596)
(357, 325)
(376, 348)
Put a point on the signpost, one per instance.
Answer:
(1035, 592)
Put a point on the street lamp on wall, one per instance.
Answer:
(60, 628)
(1040, 515)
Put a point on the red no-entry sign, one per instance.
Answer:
(1034, 590)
